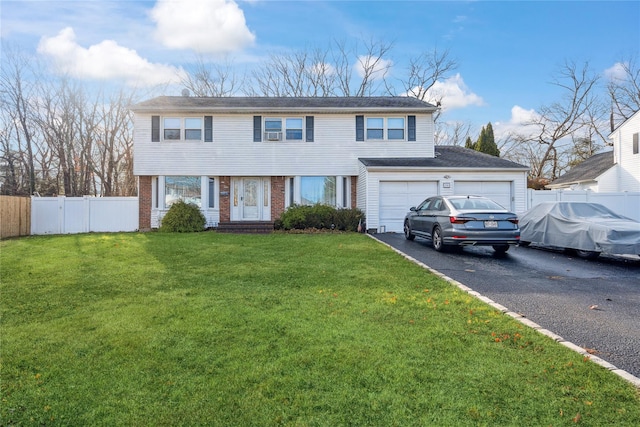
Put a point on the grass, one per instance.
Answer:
(299, 330)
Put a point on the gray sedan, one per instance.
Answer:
(462, 221)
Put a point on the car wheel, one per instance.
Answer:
(587, 254)
(501, 248)
(524, 243)
(407, 231)
(436, 239)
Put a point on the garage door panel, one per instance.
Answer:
(396, 197)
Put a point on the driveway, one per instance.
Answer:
(593, 304)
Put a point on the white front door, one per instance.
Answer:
(251, 199)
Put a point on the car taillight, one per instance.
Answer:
(513, 220)
(458, 220)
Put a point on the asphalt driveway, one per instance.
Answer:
(593, 304)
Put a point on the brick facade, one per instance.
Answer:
(145, 200)
(354, 195)
(225, 199)
(277, 197)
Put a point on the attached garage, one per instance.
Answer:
(388, 187)
(498, 191)
(396, 197)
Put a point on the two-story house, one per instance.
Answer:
(612, 171)
(248, 159)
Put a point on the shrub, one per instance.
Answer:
(300, 217)
(183, 218)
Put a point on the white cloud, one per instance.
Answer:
(517, 123)
(616, 72)
(104, 61)
(366, 62)
(453, 93)
(206, 26)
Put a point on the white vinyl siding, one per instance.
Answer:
(233, 152)
(627, 162)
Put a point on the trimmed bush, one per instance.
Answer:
(301, 217)
(183, 218)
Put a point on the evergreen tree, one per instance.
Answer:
(469, 144)
(487, 143)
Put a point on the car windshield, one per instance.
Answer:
(482, 204)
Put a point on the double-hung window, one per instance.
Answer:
(294, 129)
(171, 127)
(386, 128)
(375, 128)
(275, 131)
(182, 128)
(395, 128)
(193, 129)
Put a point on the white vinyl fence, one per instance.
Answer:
(69, 215)
(625, 203)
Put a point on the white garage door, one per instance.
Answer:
(396, 197)
(498, 191)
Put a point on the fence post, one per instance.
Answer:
(86, 214)
(61, 215)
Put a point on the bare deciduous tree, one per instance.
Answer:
(624, 90)
(560, 120)
(18, 94)
(210, 79)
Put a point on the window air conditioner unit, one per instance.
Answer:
(273, 136)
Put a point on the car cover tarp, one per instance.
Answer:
(578, 225)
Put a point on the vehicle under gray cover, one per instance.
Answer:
(589, 228)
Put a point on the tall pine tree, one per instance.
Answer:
(469, 144)
(486, 142)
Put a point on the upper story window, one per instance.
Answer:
(171, 128)
(294, 129)
(193, 129)
(395, 128)
(182, 128)
(375, 128)
(275, 131)
(386, 128)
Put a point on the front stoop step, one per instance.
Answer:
(247, 227)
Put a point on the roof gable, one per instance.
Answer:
(588, 170)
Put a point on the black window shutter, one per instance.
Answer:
(359, 128)
(155, 128)
(257, 128)
(309, 128)
(411, 131)
(208, 128)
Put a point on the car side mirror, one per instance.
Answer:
(412, 208)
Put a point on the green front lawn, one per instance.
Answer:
(326, 329)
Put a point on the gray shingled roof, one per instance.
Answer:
(269, 104)
(588, 170)
(447, 156)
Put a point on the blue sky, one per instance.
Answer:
(507, 51)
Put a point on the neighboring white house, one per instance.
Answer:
(248, 159)
(613, 171)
